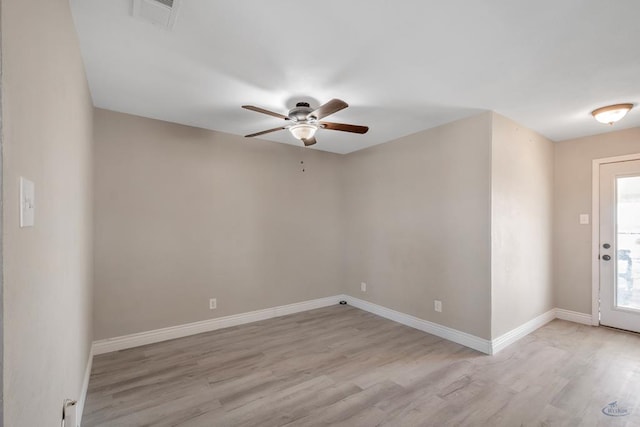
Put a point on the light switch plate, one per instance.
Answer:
(27, 203)
(584, 219)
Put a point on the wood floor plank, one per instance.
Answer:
(343, 366)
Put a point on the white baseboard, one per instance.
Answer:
(483, 345)
(447, 333)
(85, 386)
(574, 316)
(143, 338)
(463, 338)
(521, 331)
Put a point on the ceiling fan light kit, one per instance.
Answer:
(306, 120)
(303, 130)
(611, 113)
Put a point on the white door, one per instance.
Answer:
(620, 245)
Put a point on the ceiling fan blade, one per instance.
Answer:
(309, 141)
(344, 127)
(330, 107)
(265, 131)
(263, 111)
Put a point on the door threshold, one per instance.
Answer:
(620, 329)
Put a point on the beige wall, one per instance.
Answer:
(184, 214)
(47, 131)
(521, 225)
(418, 224)
(462, 213)
(572, 245)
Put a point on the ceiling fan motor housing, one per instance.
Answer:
(300, 112)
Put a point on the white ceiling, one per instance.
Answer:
(403, 66)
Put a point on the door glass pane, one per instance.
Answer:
(628, 242)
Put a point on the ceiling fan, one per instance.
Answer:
(305, 121)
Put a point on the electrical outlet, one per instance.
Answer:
(213, 304)
(437, 306)
(363, 287)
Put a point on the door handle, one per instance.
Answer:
(606, 257)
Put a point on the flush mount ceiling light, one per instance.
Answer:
(303, 131)
(612, 113)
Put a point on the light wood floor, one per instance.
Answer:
(343, 366)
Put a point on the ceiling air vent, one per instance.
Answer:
(160, 12)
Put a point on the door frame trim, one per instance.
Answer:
(595, 230)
